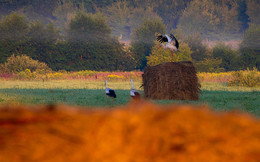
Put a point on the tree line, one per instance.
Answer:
(88, 44)
(86, 34)
(212, 19)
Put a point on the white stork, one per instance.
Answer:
(171, 44)
(110, 93)
(134, 93)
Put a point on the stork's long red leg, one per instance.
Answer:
(113, 101)
(172, 57)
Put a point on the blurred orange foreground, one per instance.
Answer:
(141, 132)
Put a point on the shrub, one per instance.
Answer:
(209, 65)
(247, 78)
(229, 57)
(26, 75)
(16, 64)
(161, 55)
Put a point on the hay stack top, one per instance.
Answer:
(171, 80)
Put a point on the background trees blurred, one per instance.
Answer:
(211, 19)
(229, 57)
(143, 40)
(13, 35)
(119, 34)
(250, 47)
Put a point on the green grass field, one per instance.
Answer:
(90, 93)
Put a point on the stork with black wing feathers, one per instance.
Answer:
(172, 43)
(110, 93)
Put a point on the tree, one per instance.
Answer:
(209, 65)
(242, 15)
(210, 18)
(143, 40)
(124, 19)
(88, 27)
(250, 47)
(32, 9)
(64, 12)
(118, 18)
(170, 11)
(161, 55)
(41, 41)
(229, 57)
(198, 49)
(33, 39)
(91, 45)
(21, 63)
(252, 11)
(13, 31)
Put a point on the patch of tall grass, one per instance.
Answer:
(246, 78)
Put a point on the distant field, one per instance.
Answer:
(91, 93)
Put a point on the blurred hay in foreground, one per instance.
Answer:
(137, 132)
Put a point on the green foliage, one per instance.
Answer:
(246, 78)
(225, 16)
(127, 61)
(90, 45)
(63, 13)
(13, 27)
(170, 11)
(229, 57)
(143, 40)
(42, 34)
(250, 47)
(13, 35)
(198, 49)
(209, 65)
(16, 64)
(85, 41)
(242, 15)
(88, 27)
(210, 18)
(41, 41)
(162, 55)
(124, 19)
(253, 11)
(34, 38)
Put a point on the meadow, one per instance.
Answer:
(90, 93)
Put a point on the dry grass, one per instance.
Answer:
(137, 132)
(171, 80)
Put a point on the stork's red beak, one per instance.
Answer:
(159, 46)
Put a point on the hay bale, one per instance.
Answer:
(171, 80)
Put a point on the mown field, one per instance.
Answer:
(91, 93)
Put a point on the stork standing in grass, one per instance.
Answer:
(171, 42)
(110, 93)
(134, 93)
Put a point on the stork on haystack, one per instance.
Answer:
(134, 93)
(110, 93)
(172, 43)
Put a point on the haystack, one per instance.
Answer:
(171, 81)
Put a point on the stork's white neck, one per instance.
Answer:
(106, 83)
(132, 84)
